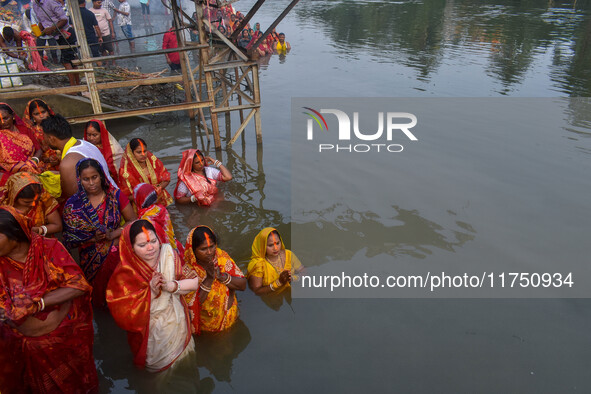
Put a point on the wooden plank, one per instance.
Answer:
(233, 89)
(219, 56)
(226, 65)
(242, 126)
(240, 92)
(44, 92)
(53, 72)
(135, 54)
(139, 111)
(140, 82)
(225, 40)
(236, 108)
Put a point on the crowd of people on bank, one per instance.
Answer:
(109, 204)
(47, 22)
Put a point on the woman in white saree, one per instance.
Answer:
(143, 298)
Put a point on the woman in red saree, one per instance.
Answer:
(46, 332)
(145, 197)
(139, 165)
(153, 314)
(97, 134)
(36, 111)
(24, 192)
(92, 223)
(197, 178)
(17, 145)
(216, 277)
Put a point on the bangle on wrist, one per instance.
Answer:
(204, 288)
(228, 279)
(217, 163)
(271, 287)
(178, 287)
(193, 199)
(35, 159)
(44, 230)
(40, 305)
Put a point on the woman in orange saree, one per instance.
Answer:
(97, 134)
(17, 145)
(46, 332)
(36, 111)
(24, 192)
(213, 306)
(139, 165)
(197, 179)
(154, 316)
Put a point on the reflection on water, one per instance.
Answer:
(217, 351)
(342, 232)
(509, 41)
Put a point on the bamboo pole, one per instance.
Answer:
(243, 126)
(82, 88)
(204, 54)
(239, 97)
(53, 72)
(183, 56)
(225, 40)
(85, 52)
(257, 100)
(130, 55)
(139, 111)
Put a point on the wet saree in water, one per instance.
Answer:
(158, 330)
(131, 174)
(219, 311)
(203, 189)
(62, 360)
(260, 267)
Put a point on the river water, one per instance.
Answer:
(420, 50)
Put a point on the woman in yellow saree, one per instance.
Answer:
(272, 267)
(213, 307)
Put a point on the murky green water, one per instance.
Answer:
(399, 49)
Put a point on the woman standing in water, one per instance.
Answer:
(197, 178)
(272, 267)
(143, 297)
(46, 331)
(140, 166)
(92, 220)
(215, 279)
